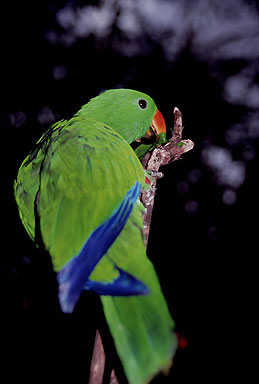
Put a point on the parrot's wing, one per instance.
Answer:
(73, 276)
(26, 186)
(81, 176)
(87, 172)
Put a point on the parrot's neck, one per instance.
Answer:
(107, 118)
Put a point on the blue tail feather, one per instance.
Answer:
(74, 275)
(124, 285)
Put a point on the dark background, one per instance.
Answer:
(201, 56)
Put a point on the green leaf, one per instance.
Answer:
(142, 150)
(161, 138)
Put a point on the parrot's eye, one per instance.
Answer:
(142, 103)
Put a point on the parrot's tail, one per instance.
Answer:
(142, 329)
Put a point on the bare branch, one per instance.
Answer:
(166, 154)
(98, 361)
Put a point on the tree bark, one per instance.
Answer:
(98, 361)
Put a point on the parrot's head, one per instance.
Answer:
(132, 114)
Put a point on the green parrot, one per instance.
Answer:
(79, 190)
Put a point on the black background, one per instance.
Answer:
(203, 246)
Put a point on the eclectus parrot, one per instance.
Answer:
(80, 189)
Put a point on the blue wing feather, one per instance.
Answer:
(124, 285)
(73, 276)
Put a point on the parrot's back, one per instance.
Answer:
(80, 168)
(83, 181)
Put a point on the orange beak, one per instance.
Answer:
(158, 123)
(157, 127)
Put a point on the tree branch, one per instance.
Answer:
(166, 154)
(152, 161)
(98, 361)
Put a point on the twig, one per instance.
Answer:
(98, 361)
(166, 154)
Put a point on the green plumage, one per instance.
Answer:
(78, 174)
